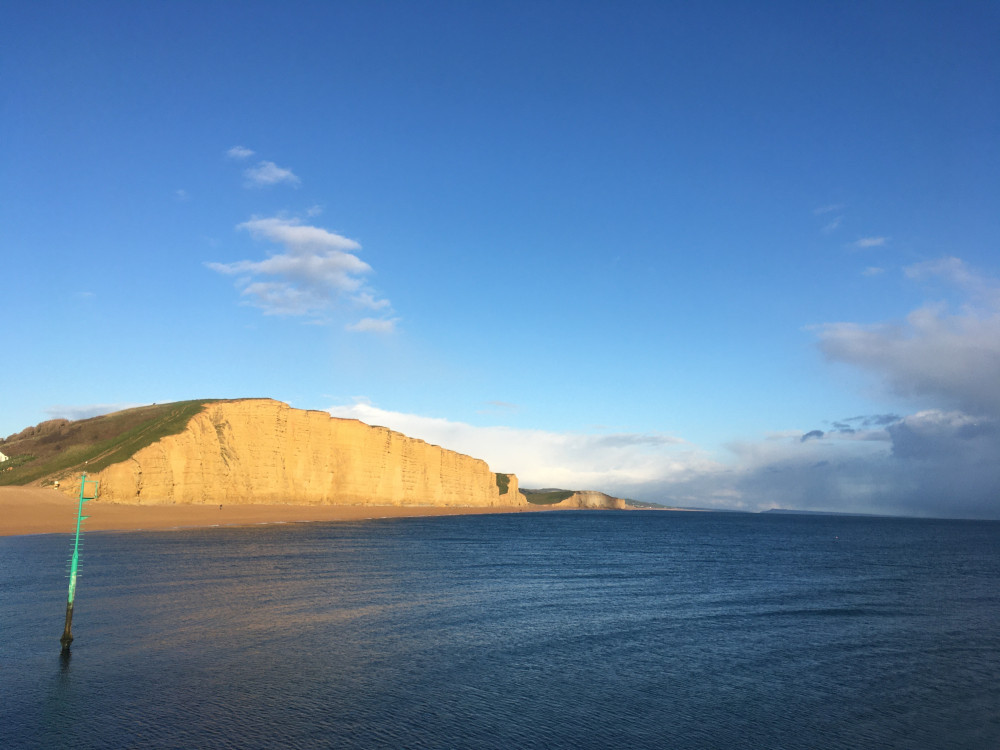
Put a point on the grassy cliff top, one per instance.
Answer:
(547, 496)
(58, 447)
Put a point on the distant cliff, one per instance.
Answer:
(591, 501)
(263, 451)
(556, 499)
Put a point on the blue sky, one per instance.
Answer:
(645, 248)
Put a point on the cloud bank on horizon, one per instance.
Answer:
(943, 460)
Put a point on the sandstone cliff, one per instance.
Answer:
(590, 500)
(263, 451)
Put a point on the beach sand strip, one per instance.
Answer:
(36, 510)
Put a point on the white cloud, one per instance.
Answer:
(181, 194)
(616, 462)
(239, 152)
(950, 360)
(872, 271)
(364, 299)
(374, 325)
(298, 236)
(866, 242)
(829, 209)
(833, 225)
(268, 173)
(316, 271)
(934, 462)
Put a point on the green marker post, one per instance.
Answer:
(67, 636)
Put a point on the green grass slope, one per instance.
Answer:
(58, 447)
(546, 497)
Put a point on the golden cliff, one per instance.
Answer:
(263, 451)
(591, 500)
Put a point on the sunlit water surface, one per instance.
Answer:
(559, 630)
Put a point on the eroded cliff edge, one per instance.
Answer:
(264, 451)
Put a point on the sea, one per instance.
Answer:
(585, 629)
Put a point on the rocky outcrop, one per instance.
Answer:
(263, 451)
(592, 501)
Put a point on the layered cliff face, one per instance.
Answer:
(263, 451)
(591, 501)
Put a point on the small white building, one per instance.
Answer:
(2, 458)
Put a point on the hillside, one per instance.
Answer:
(39, 454)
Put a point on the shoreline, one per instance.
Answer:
(35, 510)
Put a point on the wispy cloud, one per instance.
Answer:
(832, 222)
(866, 242)
(239, 152)
(181, 195)
(503, 405)
(873, 271)
(865, 423)
(267, 173)
(982, 290)
(370, 302)
(832, 226)
(495, 407)
(374, 325)
(302, 238)
(318, 270)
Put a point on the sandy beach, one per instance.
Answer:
(35, 510)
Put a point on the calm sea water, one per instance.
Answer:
(558, 630)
